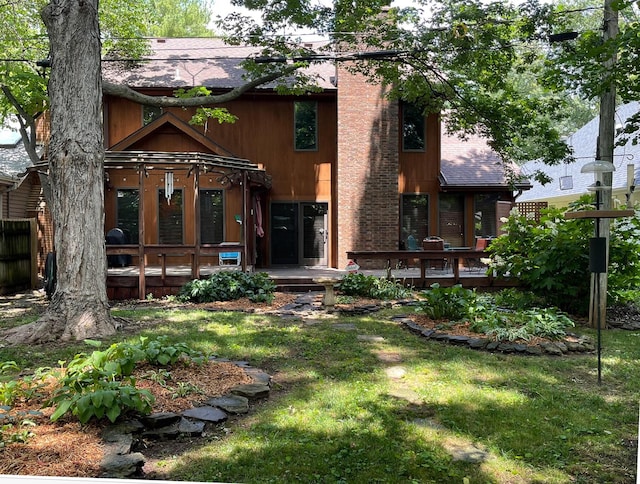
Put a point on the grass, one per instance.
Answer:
(335, 416)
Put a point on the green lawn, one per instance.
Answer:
(335, 414)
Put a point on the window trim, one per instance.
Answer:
(295, 127)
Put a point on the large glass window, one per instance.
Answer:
(413, 128)
(170, 218)
(415, 219)
(305, 125)
(211, 217)
(451, 208)
(127, 209)
(484, 214)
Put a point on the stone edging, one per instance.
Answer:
(120, 439)
(574, 344)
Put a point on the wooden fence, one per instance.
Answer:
(18, 255)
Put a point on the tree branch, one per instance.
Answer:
(27, 122)
(120, 90)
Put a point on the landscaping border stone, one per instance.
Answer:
(123, 459)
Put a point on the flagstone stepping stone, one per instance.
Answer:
(388, 357)
(407, 394)
(258, 376)
(370, 338)
(395, 372)
(206, 414)
(191, 428)
(230, 403)
(252, 391)
(428, 423)
(466, 453)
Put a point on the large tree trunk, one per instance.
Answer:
(79, 308)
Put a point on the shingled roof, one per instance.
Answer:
(471, 163)
(189, 62)
(583, 143)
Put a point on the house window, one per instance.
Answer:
(170, 218)
(415, 218)
(305, 125)
(149, 113)
(484, 214)
(413, 128)
(127, 209)
(211, 217)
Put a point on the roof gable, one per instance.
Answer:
(171, 120)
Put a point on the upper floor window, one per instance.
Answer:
(149, 113)
(305, 125)
(413, 128)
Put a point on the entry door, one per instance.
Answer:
(451, 210)
(314, 234)
(299, 233)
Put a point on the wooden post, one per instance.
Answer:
(604, 151)
(33, 238)
(195, 269)
(142, 283)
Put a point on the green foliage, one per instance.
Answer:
(358, 284)
(451, 303)
(229, 285)
(548, 323)
(512, 298)
(551, 258)
(100, 384)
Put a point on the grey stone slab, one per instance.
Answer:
(122, 466)
(236, 404)
(206, 414)
(371, 338)
(252, 391)
(191, 428)
(395, 372)
(161, 419)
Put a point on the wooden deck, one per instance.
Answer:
(122, 283)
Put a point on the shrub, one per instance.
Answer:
(358, 284)
(551, 257)
(452, 303)
(229, 285)
(100, 384)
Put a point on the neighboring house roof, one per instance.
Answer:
(208, 62)
(472, 163)
(567, 179)
(14, 161)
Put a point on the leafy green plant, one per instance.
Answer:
(512, 298)
(358, 284)
(10, 435)
(184, 389)
(452, 303)
(100, 384)
(229, 285)
(551, 257)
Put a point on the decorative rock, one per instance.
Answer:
(520, 348)
(427, 333)
(206, 414)
(551, 349)
(122, 466)
(125, 427)
(117, 443)
(492, 345)
(252, 391)
(458, 340)
(477, 343)
(440, 336)
(506, 347)
(191, 428)
(258, 376)
(230, 403)
(169, 432)
(534, 350)
(561, 346)
(162, 419)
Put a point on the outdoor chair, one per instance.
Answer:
(478, 264)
